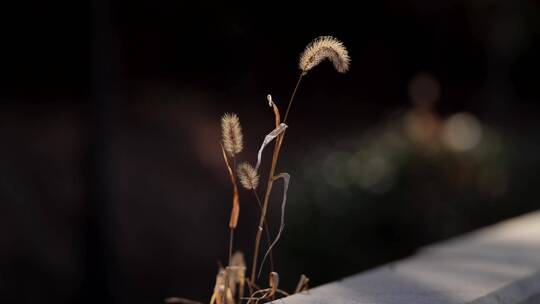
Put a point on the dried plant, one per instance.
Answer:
(223, 293)
(230, 281)
(237, 270)
(232, 143)
(267, 293)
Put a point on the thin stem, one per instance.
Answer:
(292, 97)
(231, 233)
(231, 240)
(268, 239)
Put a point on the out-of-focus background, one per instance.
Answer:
(112, 184)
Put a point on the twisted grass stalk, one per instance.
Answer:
(270, 184)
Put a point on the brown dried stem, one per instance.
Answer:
(270, 183)
(236, 204)
(269, 240)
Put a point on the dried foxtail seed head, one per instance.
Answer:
(222, 293)
(237, 260)
(325, 47)
(231, 132)
(236, 273)
(249, 178)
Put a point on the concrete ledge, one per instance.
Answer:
(498, 264)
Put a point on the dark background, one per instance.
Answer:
(112, 184)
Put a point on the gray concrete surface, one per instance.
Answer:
(498, 264)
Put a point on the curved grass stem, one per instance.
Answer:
(270, 183)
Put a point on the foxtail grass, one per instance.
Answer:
(231, 280)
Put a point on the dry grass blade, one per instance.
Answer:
(302, 284)
(236, 200)
(268, 139)
(272, 104)
(273, 282)
(277, 117)
(286, 178)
